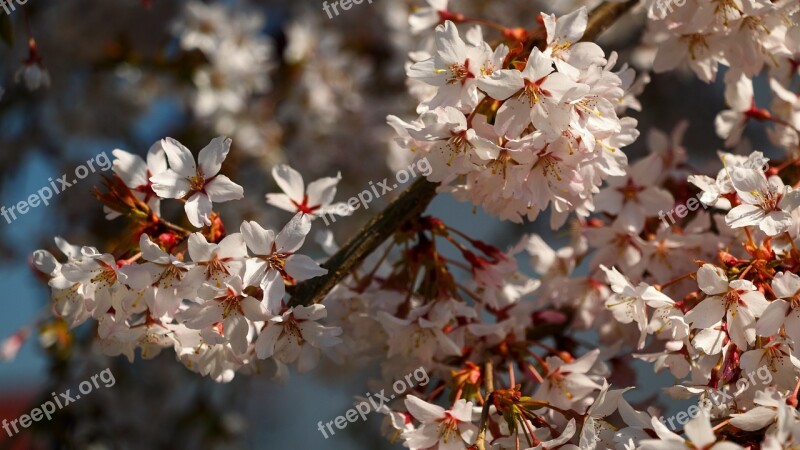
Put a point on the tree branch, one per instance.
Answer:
(416, 198)
(411, 203)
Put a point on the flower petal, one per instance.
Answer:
(198, 210)
(302, 267)
(179, 157)
(222, 189)
(290, 181)
(212, 156)
(292, 236)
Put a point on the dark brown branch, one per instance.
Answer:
(604, 16)
(414, 200)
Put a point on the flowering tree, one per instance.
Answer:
(516, 121)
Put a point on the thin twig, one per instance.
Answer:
(488, 383)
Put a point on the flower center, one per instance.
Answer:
(459, 73)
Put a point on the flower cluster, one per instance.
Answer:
(239, 60)
(514, 129)
(745, 37)
(216, 298)
(716, 323)
(533, 120)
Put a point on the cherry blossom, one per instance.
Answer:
(296, 336)
(314, 201)
(737, 301)
(275, 262)
(633, 198)
(215, 263)
(521, 120)
(202, 183)
(454, 68)
(568, 383)
(699, 434)
(229, 307)
(135, 172)
(563, 42)
(784, 311)
(442, 429)
(629, 303)
(766, 202)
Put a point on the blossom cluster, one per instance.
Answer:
(514, 130)
(515, 127)
(711, 324)
(216, 298)
(235, 74)
(746, 37)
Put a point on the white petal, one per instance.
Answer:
(265, 344)
(170, 184)
(258, 240)
(290, 181)
(772, 318)
(502, 84)
(744, 215)
(423, 411)
(179, 157)
(786, 284)
(322, 191)
(274, 290)
(313, 312)
(151, 251)
(157, 158)
(199, 248)
(712, 280)
(254, 309)
(301, 267)
(775, 223)
(232, 246)
(282, 201)
(222, 189)
(212, 156)
(292, 236)
(700, 432)
(741, 328)
(130, 168)
(707, 313)
(709, 341)
(255, 269)
(198, 210)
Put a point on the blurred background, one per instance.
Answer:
(80, 78)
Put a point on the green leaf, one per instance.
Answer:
(6, 30)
